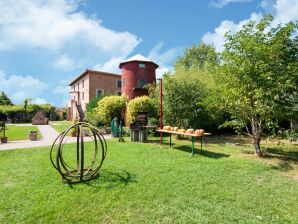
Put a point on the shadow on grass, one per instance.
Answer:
(281, 153)
(283, 166)
(206, 153)
(286, 158)
(111, 178)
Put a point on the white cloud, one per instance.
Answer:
(164, 59)
(65, 63)
(217, 37)
(161, 71)
(111, 65)
(52, 25)
(39, 100)
(18, 88)
(223, 3)
(283, 11)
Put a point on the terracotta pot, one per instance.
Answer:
(33, 136)
(4, 139)
(73, 134)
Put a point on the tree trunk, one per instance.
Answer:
(256, 143)
(256, 133)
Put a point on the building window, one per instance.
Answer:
(83, 83)
(74, 88)
(124, 81)
(118, 93)
(83, 95)
(141, 83)
(99, 92)
(142, 65)
(78, 85)
(118, 84)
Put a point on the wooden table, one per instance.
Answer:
(192, 135)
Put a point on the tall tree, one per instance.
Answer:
(197, 56)
(258, 77)
(4, 100)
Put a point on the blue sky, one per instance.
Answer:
(45, 44)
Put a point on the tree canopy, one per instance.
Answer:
(4, 100)
(258, 75)
(197, 56)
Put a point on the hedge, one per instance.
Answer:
(142, 104)
(110, 107)
(17, 112)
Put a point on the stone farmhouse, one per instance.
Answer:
(136, 72)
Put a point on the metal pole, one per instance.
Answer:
(160, 110)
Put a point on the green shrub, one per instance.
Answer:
(110, 107)
(142, 104)
(18, 112)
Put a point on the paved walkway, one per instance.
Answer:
(49, 135)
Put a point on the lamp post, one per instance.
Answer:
(160, 109)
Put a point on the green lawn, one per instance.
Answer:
(14, 132)
(60, 125)
(146, 183)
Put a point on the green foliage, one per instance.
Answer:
(184, 99)
(142, 104)
(258, 77)
(292, 135)
(110, 107)
(16, 112)
(197, 56)
(93, 102)
(4, 100)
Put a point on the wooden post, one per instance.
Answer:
(160, 110)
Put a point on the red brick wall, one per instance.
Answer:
(132, 73)
(103, 81)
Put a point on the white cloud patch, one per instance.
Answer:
(18, 88)
(286, 10)
(62, 90)
(65, 63)
(53, 24)
(161, 71)
(39, 100)
(164, 59)
(223, 3)
(217, 37)
(283, 11)
(111, 65)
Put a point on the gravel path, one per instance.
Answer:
(49, 135)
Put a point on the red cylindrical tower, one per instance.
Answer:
(137, 71)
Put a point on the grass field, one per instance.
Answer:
(147, 183)
(60, 125)
(14, 132)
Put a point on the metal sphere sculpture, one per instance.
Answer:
(70, 163)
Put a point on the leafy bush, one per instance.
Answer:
(110, 107)
(17, 112)
(291, 135)
(142, 104)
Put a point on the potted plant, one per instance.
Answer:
(33, 135)
(73, 132)
(3, 128)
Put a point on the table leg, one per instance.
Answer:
(170, 139)
(192, 146)
(201, 145)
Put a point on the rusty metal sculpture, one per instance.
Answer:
(78, 172)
